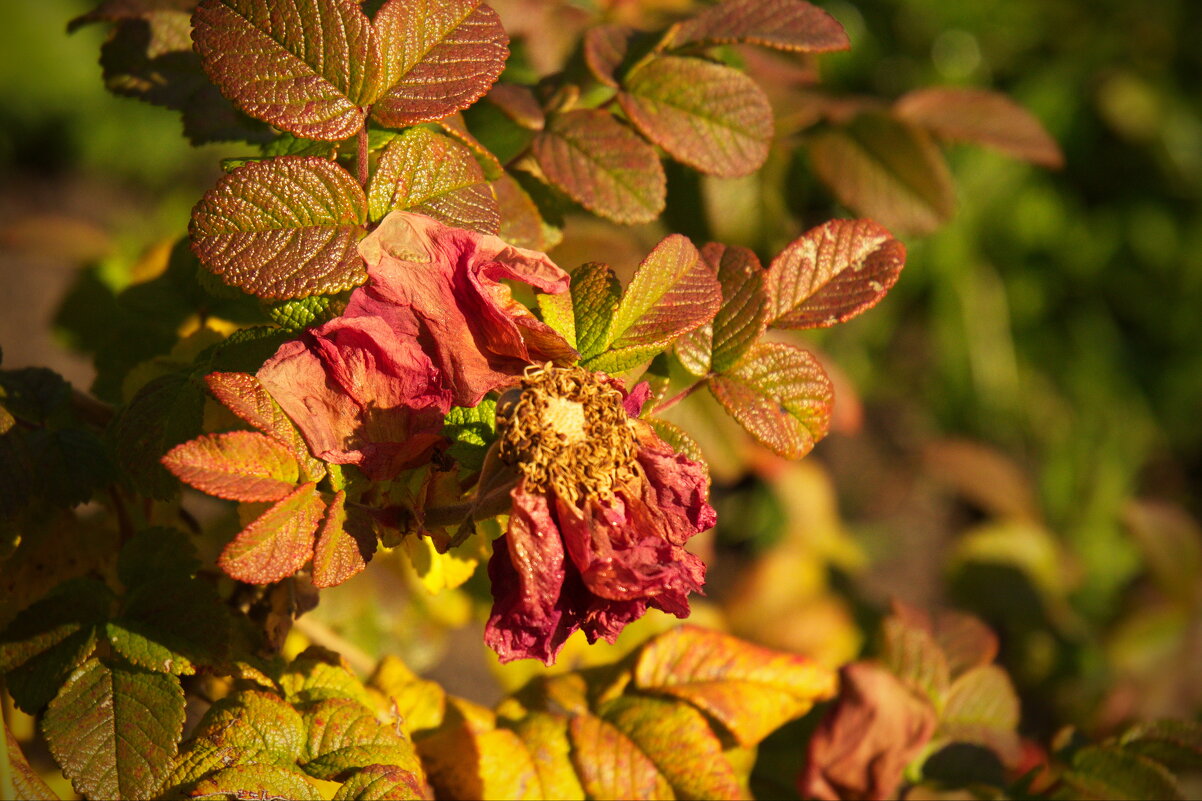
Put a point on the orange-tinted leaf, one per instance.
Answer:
(278, 542)
(519, 104)
(1171, 542)
(25, 780)
(433, 174)
(245, 396)
(740, 321)
(602, 165)
(982, 708)
(677, 738)
(472, 759)
(750, 690)
(305, 66)
(419, 703)
(546, 738)
(984, 477)
(780, 394)
(440, 56)
(709, 116)
(886, 169)
(455, 127)
(792, 25)
(239, 466)
(339, 554)
(521, 222)
(605, 47)
(381, 783)
(832, 273)
(283, 228)
(258, 781)
(610, 765)
(986, 118)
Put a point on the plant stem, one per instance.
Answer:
(678, 397)
(363, 156)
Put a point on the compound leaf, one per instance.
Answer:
(238, 466)
(278, 542)
(792, 25)
(283, 228)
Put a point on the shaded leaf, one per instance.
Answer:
(1171, 542)
(982, 117)
(283, 228)
(610, 765)
(602, 165)
(171, 625)
(257, 781)
(1110, 772)
(238, 466)
(167, 411)
(277, 543)
(912, 655)
(381, 783)
(156, 553)
(344, 735)
(305, 67)
(1177, 744)
(750, 690)
(709, 116)
(519, 104)
(114, 730)
(983, 708)
(833, 273)
(522, 224)
(792, 25)
(341, 551)
(469, 760)
(984, 476)
(471, 431)
(605, 48)
(886, 169)
(26, 782)
(426, 172)
(439, 58)
(780, 394)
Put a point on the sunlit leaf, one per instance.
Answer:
(278, 542)
(709, 116)
(605, 48)
(344, 735)
(318, 674)
(546, 738)
(239, 466)
(257, 781)
(912, 654)
(339, 553)
(283, 228)
(792, 25)
(610, 765)
(833, 273)
(419, 703)
(740, 320)
(675, 436)
(983, 708)
(381, 783)
(301, 313)
(471, 431)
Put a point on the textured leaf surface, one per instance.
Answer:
(602, 165)
(471, 431)
(301, 313)
(740, 320)
(245, 396)
(595, 295)
(167, 411)
(172, 624)
(522, 224)
(546, 738)
(26, 783)
(832, 273)
(675, 436)
(677, 738)
(344, 735)
(305, 66)
(338, 553)
(792, 25)
(318, 674)
(610, 765)
(1108, 772)
(278, 542)
(471, 760)
(114, 730)
(440, 56)
(780, 394)
(1176, 744)
(750, 690)
(709, 116)
(283, 228)
(238, 466)
(983, 708)
(433, 174)
(258, 723)
(605, 48)
(257, 781)
(982, 117)
(381, 783)
(888, 170)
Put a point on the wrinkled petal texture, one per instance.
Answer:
(360, 394)
(441, 287)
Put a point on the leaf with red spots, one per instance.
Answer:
(308, 67)
(833, 273)
(426, 172)
(26, 782)
(238, 466)
(381, 783)
(258, 781)
(344, 735)
(709, 116)
(792, 25)
(439, 57)
(341, 551)
(741, 319)
(610, 765)
(283, 228)
(961, 114)
(602, 165)
(278, 542)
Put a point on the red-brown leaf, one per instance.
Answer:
(238, 466)
(338, 554)
(740, 321)
(278, 542)
(605, 48)
(792, 25)
(610, 765)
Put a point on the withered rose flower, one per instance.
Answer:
(601, 512)
(441, 287)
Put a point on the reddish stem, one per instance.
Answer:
(361, 160)
(678, 397)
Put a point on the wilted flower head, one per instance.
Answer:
(601, 512)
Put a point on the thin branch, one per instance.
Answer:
(678, 397)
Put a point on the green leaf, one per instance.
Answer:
(1177, 744)
(1110, 772)
(557, 312)
(833, 273)
(780, 395)
(748, 689)
(983, 708)
(706, 115)
(602, 165)
(284, 228)
(156, 553)
(595, 296)
(238, 466)
(343, 548)
(44, 643)
(381, 783)
(675, 436)
(426, 172)
(306, 67)
(26, 783)
(171, 625)
(677, 738)
(610, 765)
(741, 319)
(439, 58)
(888, 170)
(257, 781)
(316, 675)
(164, 413)
(792, 25)
(69, 464)
(114, 730)
(344, 735)
(302, 313)
(471, 432)
(261, 725)
(278, 542)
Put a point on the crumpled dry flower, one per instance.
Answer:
(601, 513)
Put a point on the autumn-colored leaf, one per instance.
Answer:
(610, 765)
(886, 169)
(344, 735)
(439, 58)
(605, 48)
(522, 224)
(963, 114)
(318, 674)
(283, 228)
(983, 708)
(339, 553)
(602, 165)
(244, 395)
(519, 104)
(984, 477)
(1171, 542)
(381, 783)
(420, 703)
(913, 656)
(239, 466)
(545, 736)
(26, 782)
(780, 394)
(832, 273)
(306, 67)
(278, 542)
(748, 689)
(433, 174)
(171, 624)
(114, 729)
(792, 25)
(709, 116)
(740, 320)
(261, 725)
(258, 781)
